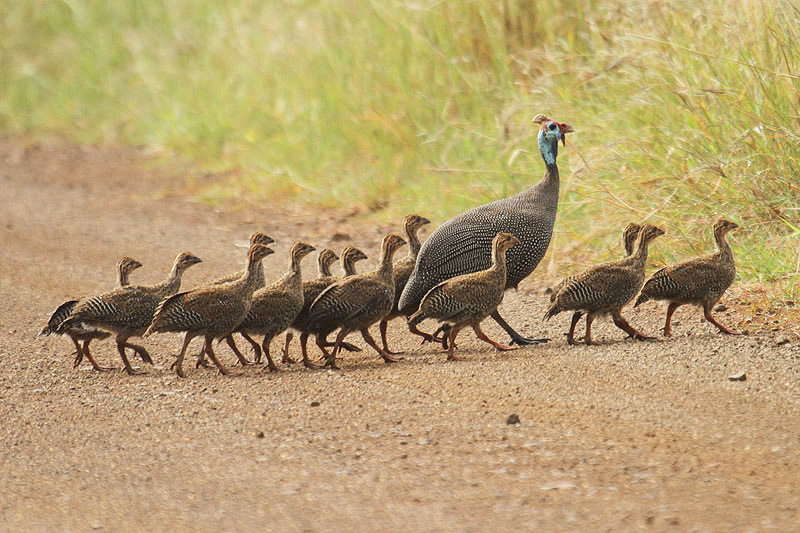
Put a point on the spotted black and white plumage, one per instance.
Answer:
(463, 244)
(275, 306)
(467, 299)
(356, 302)
(128, 311)
(83, 332)
(605, 289)
(701, 281)
(212, 311)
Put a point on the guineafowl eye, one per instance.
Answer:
(552, 126)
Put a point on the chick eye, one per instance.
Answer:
(551, 127)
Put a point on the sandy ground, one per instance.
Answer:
(623, 436)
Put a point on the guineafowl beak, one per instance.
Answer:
(564, 128)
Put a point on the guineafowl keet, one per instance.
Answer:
(468, 299)
(356, 302)
(402, 270)
(701, 281)
(212, 311)
(79, 332)
(275, 306)
(605, 289)
(128, 311)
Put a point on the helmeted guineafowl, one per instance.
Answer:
(260, 281)
(463, 244)
(79, 332)
(605, 289)
(701, 281)
(211, 311)
(128, 311)
(466, 300)
(356, 302)
(402, 271)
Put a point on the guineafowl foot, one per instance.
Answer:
(78, 359)
(642, 337)
(288, 360)
(134, 371)
(272, 367)
(200, 362)
(390, 358)
(516, 338)
(454, 357)
(308, 363)
(527, 341)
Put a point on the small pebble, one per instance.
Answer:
(739, 376)
(780, 340)
(512, 419)
(720, 308)
(315, 404)
(260, 435)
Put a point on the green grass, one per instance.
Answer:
(685, 110)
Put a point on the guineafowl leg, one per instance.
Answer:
(452, 338)
(255, 345)
(382, 327)
(121, 345)
(88, 355)
(78, 351)
(178, 364)
(308, 363)
(346, 345)
(571, 334)
(286, 359)
(330, 361)
(622, 324)
(141, 351)
(482, 336)
(444, 330)
(209, 349)
(710, 318)
(588, 337)
(516, 338)
(242, 359)
(426, 337)
(383, 353)
(668, 324)
(201, 360)
(265, 345)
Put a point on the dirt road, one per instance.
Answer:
(622, 436)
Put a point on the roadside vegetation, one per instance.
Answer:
(684, 111)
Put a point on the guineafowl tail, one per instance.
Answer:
(58, 316)
(552, 311)
(641, 299)
(416, 318)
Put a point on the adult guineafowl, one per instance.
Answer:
(464, 244)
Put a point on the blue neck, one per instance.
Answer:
(549, 150)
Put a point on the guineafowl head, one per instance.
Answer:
(351, 255)
(258, 252)
(550, 133)
(300, 250)
(723, 226)
(326, 258)
(261, 238)
(185, 260)
(128, 265)
(504, 241)
(413, 222)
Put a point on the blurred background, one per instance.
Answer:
(684, 110)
